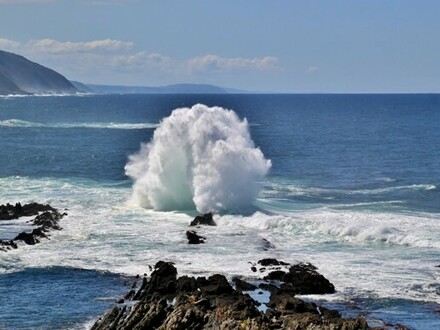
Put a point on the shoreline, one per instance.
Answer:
(166, 301)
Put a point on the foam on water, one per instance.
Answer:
(29, 124)
(390, 255)
(201, 158)
(296, 190)
(374, 256)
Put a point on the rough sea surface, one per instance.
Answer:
(352, 187)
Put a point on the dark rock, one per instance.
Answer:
(211, 303)
(272, 262)
(10, 212)
(130, 294)
(306, 280)
(28, 238)
(163, 278)
(46, 219)
(241, 285)
(193, 238)
(186, 284)
(302, 279)
(6, 245)
(215, 285)
(266, 245)
(205, 219)
(276, 275)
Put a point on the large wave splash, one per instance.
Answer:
(201, 158)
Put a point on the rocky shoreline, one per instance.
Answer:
(46, 218)
(166, 301)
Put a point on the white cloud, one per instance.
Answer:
(218, 63)
(312, 69)
(116, 61)
(54, 46)
(8, 44)
(143, 60)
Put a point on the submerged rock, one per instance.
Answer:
(167, 302)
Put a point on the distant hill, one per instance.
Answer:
(18, 75)
(170, 89)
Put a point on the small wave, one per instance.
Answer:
(294, 190)
(28, 124)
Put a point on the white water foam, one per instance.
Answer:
(111, 125)
(362, 253)
(201, 158)
(296, 190)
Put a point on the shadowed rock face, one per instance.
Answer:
(18, 75)
(168, 302)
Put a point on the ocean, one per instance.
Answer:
(349, 183)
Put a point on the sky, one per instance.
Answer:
(287, 46)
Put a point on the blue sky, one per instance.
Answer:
(273, 46)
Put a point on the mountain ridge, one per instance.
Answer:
(18, 75)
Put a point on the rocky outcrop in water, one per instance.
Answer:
(205, 220)
(194, 238)
(46, 219)
(168, 302)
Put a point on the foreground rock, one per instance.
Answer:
(168, 302)
(46, 219)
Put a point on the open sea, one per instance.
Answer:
(350, 183)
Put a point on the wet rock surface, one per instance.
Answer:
(168, 302)
(46, 219)
(204, 220)
(194, 238)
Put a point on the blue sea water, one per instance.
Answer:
(353, 188)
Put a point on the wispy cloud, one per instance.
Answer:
(312, 69)
(142, 61)
(218, 63)
(8, 44)
(54, 46)
(101, 59)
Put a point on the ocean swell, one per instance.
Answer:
(29, 124)
(201, 158)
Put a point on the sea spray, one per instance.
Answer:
(199, 157)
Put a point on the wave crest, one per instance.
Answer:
(201, 158)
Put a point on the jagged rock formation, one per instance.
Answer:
(18, 75)
(167, 302)
(46, 219)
